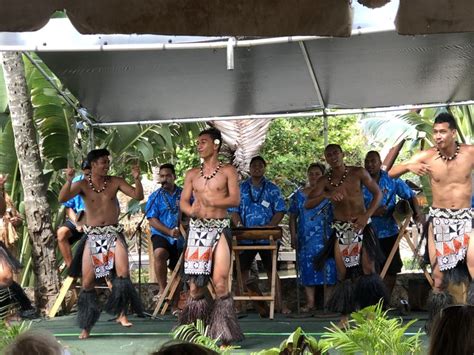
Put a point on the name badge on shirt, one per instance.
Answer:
(265, 204)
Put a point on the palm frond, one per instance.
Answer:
(197, 333)
(8, 333)
(372, 332)
(465, 121)
(389, 130)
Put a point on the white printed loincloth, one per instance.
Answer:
(203, 236)
(101, 241)
(349, 241)
(452, 230)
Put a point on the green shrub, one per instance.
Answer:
(370, 331)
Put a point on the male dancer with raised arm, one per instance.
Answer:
(104, 252)
(449, 166)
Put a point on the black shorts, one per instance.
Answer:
(75, 234)
(386, 244)
(172, 249)
(247, 257)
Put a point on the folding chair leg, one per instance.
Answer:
(167, 291)
(427, 274)
(169, 298)
(401, 233)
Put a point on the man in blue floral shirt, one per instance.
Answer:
(163, 216)
(383, 222)
(261, 204)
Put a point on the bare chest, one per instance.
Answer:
(95, 199)
(350, 186)
(217, 184)
(457, 171)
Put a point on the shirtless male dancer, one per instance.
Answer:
(207, 194)
(449, 166)
(353, 243)
(103, 252)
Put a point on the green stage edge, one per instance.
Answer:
(169, 334)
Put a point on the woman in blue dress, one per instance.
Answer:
(309, 228)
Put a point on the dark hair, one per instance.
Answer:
(85, 164)
(256, 158)
(448, 118)
(95, 154)
(173, 347)
(320, 166)
(373, 152)
(214, 133)
(168, 166)
(332, 145)
(453, 331)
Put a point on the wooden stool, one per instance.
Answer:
(272, 234)
(166, 297)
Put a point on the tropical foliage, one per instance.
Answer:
(297, 343)
(416, 127)
(197, 333)
(8, 333)
(65, 138)
(370, 331)
(293, 144)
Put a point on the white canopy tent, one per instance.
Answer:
(124, 79)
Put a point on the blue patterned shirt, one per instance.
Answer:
(386, 226)
(258, 204)
(165, 207)
(76, 203)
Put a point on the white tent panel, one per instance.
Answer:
(375, 69)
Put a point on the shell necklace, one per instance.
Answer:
(91, 185)
(446, 158)
(214, 173)
(329, 177)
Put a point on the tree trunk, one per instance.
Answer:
(37, 210)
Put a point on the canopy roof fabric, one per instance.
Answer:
(185, 17)
(232, 18)
(148, 78)
(375, 69)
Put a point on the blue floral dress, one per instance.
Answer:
(311, 225)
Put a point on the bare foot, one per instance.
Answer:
(85, 334)
(123, 320)
(307, 309)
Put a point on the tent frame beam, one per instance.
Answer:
(222, 43)
(317, 88)
(314, 114)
